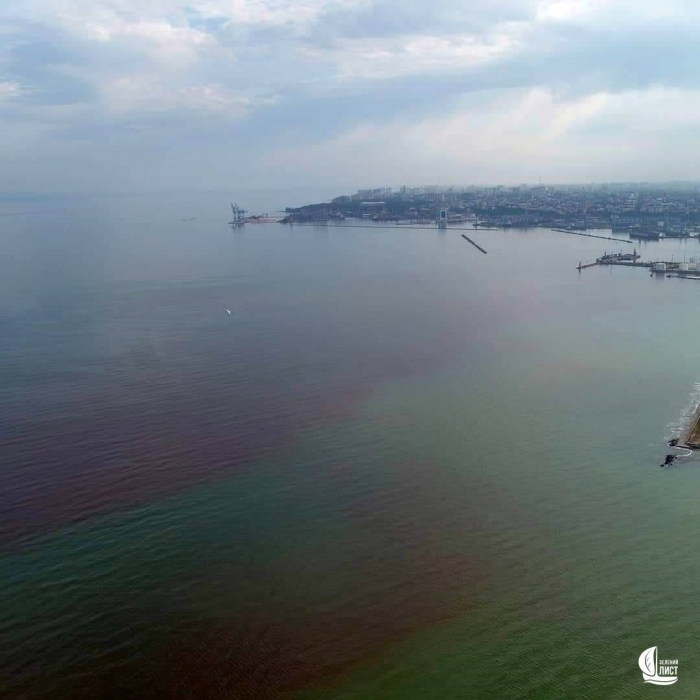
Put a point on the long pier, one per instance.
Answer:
(671, 269)
(591, 235)
(476, 245)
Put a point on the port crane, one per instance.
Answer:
(238, 215)
(240, 218)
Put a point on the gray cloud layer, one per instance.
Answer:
(109, 94)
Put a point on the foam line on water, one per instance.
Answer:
(689, 453)
(682, 423)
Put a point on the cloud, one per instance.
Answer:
(9, 89)
(357, 91)
(419, 54)
(514, 136)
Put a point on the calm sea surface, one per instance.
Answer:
(397, 468)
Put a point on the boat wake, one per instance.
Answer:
(688, 453)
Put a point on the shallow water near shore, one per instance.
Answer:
(399, 468)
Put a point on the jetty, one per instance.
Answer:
(240, 218)
(630, 259)
(590, 235)
(476, 245)
(690, 439)
(686, 270)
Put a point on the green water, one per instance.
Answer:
(495, 525)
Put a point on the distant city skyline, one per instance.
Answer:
(579, 185)
(123, 96)
(644, 212)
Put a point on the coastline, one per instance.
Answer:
(690, 438)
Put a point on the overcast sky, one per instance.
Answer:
(155, 94)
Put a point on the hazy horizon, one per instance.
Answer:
(329, 192)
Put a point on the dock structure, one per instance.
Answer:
(687, 270)
(629, 259)
(476, 245)
(238, 216)
(590, 235)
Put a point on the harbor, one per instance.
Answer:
(240, 218)
(689, 268)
